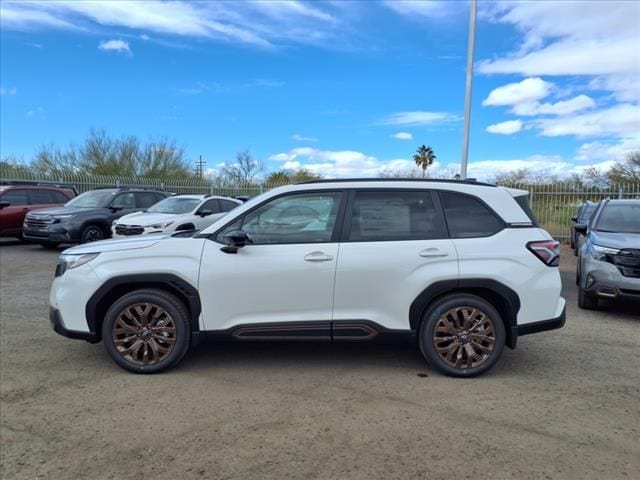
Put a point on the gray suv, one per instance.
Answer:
(609, 258)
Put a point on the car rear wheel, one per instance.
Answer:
(147, 331)
(585, 300)
(462, 335)
(92, 233)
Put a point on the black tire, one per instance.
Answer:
(585, 300)
(49, 245)
(177, 315)
(92, 233)
(465, 302)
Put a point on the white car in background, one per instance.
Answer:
(181, 212)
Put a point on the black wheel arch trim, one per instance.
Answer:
(104, 296)
(509, 308)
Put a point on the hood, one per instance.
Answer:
(131, 243)
(63, 211)
(616, 240)
(145, 219)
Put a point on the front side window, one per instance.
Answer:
(16, 197)
(620, 219)
(92, 199)
(210, 205)
(467, 217)
(299, 218)
(395, 215)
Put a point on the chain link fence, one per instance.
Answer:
(553, 204)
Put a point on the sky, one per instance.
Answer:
(338, 87)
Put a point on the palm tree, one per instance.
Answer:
(424, 157)
(278, 178)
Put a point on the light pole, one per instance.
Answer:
(473, 6)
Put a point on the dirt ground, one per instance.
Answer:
(564, 404)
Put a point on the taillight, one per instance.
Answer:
(548, 251)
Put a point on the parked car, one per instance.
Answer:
(88, 217)
(582, 216)
(182, 212)
(461, 266)
(609, 259)
(17, 200)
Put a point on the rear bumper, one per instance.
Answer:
(58, 326)
(542, 325)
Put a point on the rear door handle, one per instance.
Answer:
(318, 257)
(433, 252)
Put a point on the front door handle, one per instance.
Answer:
(318, 257)
(433, 252)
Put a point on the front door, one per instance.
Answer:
(285, 275)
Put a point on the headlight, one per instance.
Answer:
(68, 262)
(161, 225)
(599, 253)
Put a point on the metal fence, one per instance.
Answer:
(553, 204)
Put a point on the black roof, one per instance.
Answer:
(468, 181)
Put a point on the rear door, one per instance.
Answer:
(12, 216)
(395, 245)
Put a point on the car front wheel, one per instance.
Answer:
(462, 335)
(147, 331)
(92, 233)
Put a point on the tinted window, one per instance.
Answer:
(146, 199)
(16, 197)
(523, 201)
(124, 201)
(40, 197)
(211, 205)
(300, 218)
(401, 215)
(586, 212)
(620, 219)
(226, 205)
(468, 217)
(58, 197)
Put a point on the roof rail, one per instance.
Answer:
(40, 183)
(468, 181)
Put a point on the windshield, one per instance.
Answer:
(620, 219)
(174, 205)
(92, 199)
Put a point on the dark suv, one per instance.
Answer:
(88, 217)
(582, 217)
(19, 199)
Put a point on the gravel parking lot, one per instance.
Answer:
(565, 404)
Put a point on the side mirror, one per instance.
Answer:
(234, 240)
(574, 219)
(115, 209)
(4, 204)
(581, 228)
(205, 213)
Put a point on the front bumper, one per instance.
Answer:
(52, 234)
(603, 280)
(58, 326)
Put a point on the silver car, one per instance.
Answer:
(609, 258)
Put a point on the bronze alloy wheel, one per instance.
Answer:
(144, 333)
(464, 337)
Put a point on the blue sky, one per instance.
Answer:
(342, 88)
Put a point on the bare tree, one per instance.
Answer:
(244, 170)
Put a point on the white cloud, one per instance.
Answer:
(419, 117)
(115, 46)
(621, 121)
(419, 9)
(526, 91)
(563, 107)
(505, 128)
(402, 136)
(301, 138)
(8, 91)
(608, 150)
(256, 23)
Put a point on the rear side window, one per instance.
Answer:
(58, 197)
(145, 200)
(40, 197)
(226, 205)
(467, 217)
(395, 215)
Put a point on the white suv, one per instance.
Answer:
(181, 212)
(460, 266)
